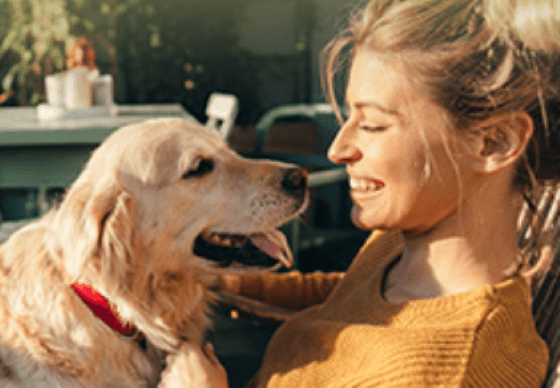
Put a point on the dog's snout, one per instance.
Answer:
(295, 180)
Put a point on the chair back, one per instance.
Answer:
(539, 227)
(221, 110)
(321, 114)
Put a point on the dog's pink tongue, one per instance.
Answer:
(274, 244)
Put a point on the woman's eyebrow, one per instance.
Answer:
(379, 107)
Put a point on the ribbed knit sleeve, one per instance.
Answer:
(506, 351)
(293, 290)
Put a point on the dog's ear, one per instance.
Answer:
(96, 229)
(118, 242)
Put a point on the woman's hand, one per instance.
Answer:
(193, 366)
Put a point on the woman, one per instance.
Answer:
(451, 125)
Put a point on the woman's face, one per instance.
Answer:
(395, 150)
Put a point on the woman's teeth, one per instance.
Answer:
(364, 185)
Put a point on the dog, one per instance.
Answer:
(135, 232)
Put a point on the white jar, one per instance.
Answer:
(55, 86)
(103, 90)
(78, 93)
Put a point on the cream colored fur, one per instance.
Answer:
(127, 227)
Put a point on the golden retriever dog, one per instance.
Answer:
(136, 229)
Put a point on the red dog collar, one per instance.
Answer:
(101, 307)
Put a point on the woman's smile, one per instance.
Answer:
(367, 186)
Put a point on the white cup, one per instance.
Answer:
(55, 88)
(78, 89)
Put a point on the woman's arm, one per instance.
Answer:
(293, 290)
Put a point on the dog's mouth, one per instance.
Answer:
(266, 249)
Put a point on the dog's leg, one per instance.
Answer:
(193, 367)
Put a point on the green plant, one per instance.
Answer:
(157, 50)
(32, 43)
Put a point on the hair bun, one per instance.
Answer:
(535, 23)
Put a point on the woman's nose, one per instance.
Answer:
(344, 148)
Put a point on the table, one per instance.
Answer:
(50, 154)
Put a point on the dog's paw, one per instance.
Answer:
(193, 366)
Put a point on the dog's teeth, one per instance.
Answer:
(207, 236)
(227, 241)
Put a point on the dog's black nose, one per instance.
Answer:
(295, 180)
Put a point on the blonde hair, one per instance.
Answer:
(475, 58)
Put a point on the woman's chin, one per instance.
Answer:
(364, 221)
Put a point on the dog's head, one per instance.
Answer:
(157, 197)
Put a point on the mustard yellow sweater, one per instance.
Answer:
(481, 338)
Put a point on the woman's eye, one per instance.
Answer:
(200, 167)
(372, 128)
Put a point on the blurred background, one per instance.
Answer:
(263, 51)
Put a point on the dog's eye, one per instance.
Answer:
(200, 167)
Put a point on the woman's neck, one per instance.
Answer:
(472, 247)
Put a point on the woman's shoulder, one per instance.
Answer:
(490, 330)
(507, 349)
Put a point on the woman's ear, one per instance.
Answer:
(500, 141)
